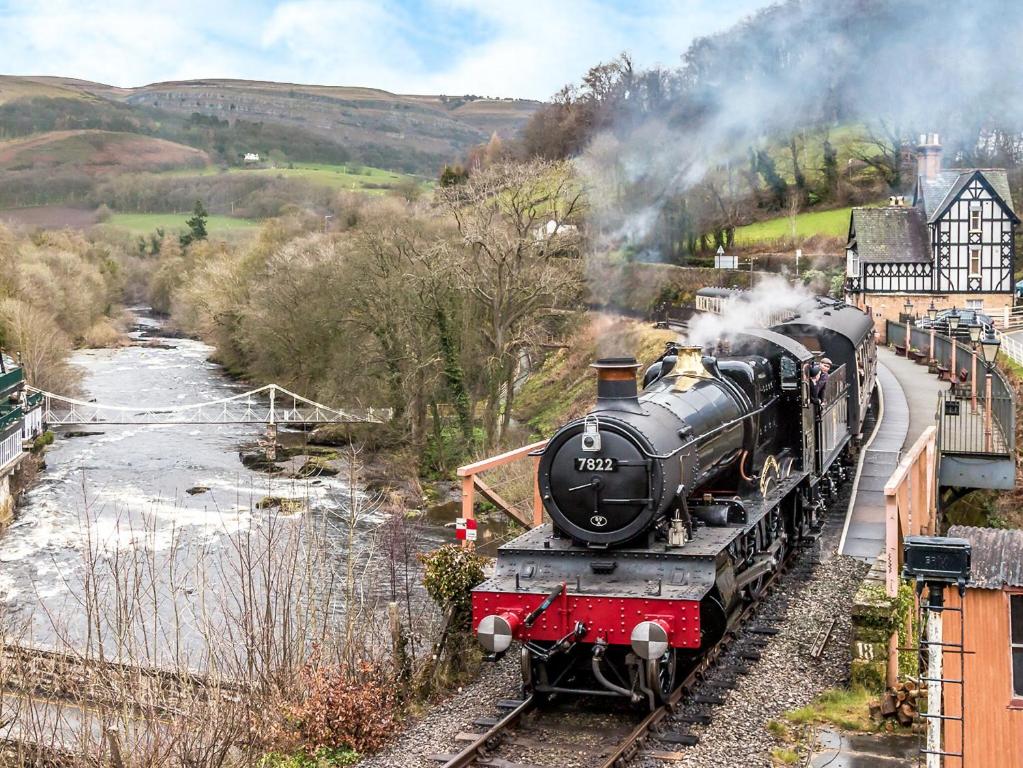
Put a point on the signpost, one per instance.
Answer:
(465, 529)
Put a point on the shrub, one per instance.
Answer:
(322, 758)
(451, 573)
(341, 712)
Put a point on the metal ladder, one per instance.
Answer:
(930, 757)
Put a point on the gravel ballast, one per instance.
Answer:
(435, 732)
(786, 676)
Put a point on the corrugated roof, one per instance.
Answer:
(891, 234)
(996, 558)
(934, 194)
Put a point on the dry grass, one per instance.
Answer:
(104, 334)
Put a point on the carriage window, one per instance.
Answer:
(789, 374)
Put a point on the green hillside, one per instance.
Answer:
(144, 223)
(833, 223)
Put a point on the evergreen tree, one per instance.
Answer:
(830, 169)
(196, 225)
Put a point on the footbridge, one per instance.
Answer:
(270, 405)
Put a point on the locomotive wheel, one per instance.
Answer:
(660, 675)
(755, 588)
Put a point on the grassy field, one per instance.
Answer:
(834, 223)
(144, 223)
(353, 177)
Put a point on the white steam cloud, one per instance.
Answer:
(905, 67)
(768, 302)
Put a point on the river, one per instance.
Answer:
(109, 544)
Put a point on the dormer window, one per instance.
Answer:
(852, 267)
(974, 218)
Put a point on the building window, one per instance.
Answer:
(1016, 643)
(974, 218)
(975, 304)
(852, 268)
(974, 261)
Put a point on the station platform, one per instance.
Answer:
(908, 397)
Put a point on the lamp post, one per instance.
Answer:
(932, 315)
(953, 326)
(975, 329)
(989, 345)
(908, 312)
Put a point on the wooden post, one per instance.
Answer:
(891, 541)
(537, 501)
(892, 672)
(932, 501)
(468, 500)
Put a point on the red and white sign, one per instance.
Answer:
(465, 529)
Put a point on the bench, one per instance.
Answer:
(944, 373)
(900, 351)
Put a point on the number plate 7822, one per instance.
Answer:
(596, 464)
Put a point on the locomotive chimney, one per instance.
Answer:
(928, 158)
(616, 382)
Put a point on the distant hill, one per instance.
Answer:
(97, 152)
(375, 127)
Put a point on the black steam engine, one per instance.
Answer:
(671, 508)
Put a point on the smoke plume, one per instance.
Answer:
(766, 303)
(904, 67)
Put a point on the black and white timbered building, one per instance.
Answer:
(953, 242)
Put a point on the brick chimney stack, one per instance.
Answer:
(928, 158)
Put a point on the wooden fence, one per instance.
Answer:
(509, 492)
(910, 503)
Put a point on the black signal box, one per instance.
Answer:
(936, 559)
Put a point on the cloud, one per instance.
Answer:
(527, 48)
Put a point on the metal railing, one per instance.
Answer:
(966, 426)
(1007, 318)
(1011, 347)
(834, 421)
(11, 379)
(963, 427)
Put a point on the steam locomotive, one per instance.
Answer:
(671, 508)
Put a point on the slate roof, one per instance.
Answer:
(933, 194)
(996, 558)
(891, 234)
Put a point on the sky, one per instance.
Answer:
(525, 49)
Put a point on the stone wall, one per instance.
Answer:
(877, 618)
(890, 306)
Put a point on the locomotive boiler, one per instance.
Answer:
(671, 507)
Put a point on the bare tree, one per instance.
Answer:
(515, 221)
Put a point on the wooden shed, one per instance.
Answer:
(991, 732)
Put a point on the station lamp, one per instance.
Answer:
(908, 307)
(990, 345)
(932, 312)
(953, 321)
(975, 329)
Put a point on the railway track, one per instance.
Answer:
(526, 728)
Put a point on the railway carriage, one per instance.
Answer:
(670, 509)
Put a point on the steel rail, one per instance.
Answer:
(628, 747)
(471, 753)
